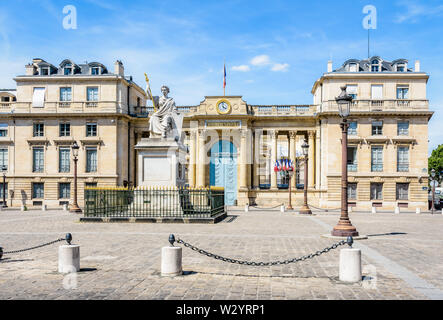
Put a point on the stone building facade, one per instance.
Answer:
(231, 143)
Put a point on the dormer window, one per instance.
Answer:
(375, 66)
(67, 69)
(401, 67)
(44, 71)
(353, 67)
(95, 70)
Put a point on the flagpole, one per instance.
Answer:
(224, 77)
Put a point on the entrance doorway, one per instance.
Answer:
(223, 169)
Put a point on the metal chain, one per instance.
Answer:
(259, 264)
(36, 247)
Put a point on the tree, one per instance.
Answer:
(435, 161)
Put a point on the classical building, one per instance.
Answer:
(230, 142)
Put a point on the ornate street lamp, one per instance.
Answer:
(433, 189)
(75, 208)
(305, 209)
(344, 228)
(4, 169)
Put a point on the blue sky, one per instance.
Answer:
(274, 50)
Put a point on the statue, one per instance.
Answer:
(165, 121)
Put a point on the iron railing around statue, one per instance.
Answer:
(154, 202)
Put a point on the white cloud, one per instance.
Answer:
(283, 67)
(416, 10)
(261, 60)
(241, 68)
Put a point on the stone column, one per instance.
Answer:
(192, 158)
(256, 160)
(311, 164)
(293, 155)
(201, 166)
(273, 134)
(243, 160)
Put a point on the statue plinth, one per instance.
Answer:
(161, 162)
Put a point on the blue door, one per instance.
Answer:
(223, 169)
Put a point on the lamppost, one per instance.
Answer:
(344, 228)
(290, 173)
(4, 169)
(75, 208)
(433, 189)
(305, 209)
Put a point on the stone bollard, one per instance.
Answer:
(171, 264)
(418, 211)
(349, 209)
(350, 264)
(69, 258)
(65, 207)
(43, 207)
(247, 207)
(397, 210)
(282, 208)
(374, 210)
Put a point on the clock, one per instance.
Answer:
(223, 106)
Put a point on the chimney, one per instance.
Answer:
(118, 68)
(417, 66)
(329, 66)
(29, 69)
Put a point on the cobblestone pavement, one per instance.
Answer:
(122, 261)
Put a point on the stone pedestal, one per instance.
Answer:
(69, 258)
(171, 264)
(350, 265)
(160, 162)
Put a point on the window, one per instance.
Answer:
(91, 185)
(352, 90)
(352, 159)
(353, 67)
(3, 129)
(95, 70)
(375, 67)
(402, 191)
(377, 92)
(401, 67)
(37, 159)
(67, 70)
(3, 158)
(38, 98)
(64, 190)
(64, 160)
(38, 190)
(39, 130)
(403, 92)
(352, 130)
(91, 129)
(403, 159)
(91, 160)
(376, 191)
(65, 129)
(65, 94)
(1, 192)
(352, 191)
(403, 128)
(377, 128)
(92, 94)
(44, 71)
(377, 159)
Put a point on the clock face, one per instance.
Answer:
(223, 107)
